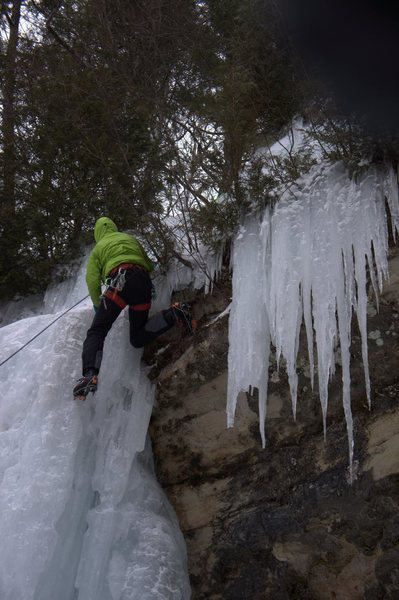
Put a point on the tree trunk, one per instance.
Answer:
(9, 154)
(9, 238)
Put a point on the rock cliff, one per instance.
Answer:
(283, 522)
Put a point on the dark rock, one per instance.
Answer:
(387, 573)
(282, 522)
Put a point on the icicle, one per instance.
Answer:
(249, 337)
(306, 288)
(391, 193)
(361, 310)
(308, 263)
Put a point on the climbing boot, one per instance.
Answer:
(84, 386)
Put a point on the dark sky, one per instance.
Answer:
(353, 47)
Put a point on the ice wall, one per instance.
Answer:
(81, 514)
(204, 270)
(308, 262)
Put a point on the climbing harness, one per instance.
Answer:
(43, 330)
(114, 284)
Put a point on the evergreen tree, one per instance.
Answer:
(135, 110)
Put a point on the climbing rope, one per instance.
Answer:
(43, 330)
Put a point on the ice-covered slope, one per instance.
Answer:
(81, 514)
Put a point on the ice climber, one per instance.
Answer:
(119, 260)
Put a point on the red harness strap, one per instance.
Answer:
(140, 307)
(114, 296)
(126, 266)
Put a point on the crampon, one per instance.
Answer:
(84, 386)
(183, 317)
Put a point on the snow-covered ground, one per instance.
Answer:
(81, 514)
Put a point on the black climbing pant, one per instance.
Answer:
(136, 294)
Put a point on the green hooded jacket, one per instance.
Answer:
(112, 249)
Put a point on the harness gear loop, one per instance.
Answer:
(116, 282)
(113, 285)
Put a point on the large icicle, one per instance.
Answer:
(308, 262)
(249, 337)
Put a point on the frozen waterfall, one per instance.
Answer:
(307, 261)
(81, 514)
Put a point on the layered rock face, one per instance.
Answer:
(283, 522)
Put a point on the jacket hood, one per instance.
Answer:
(103, 226)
